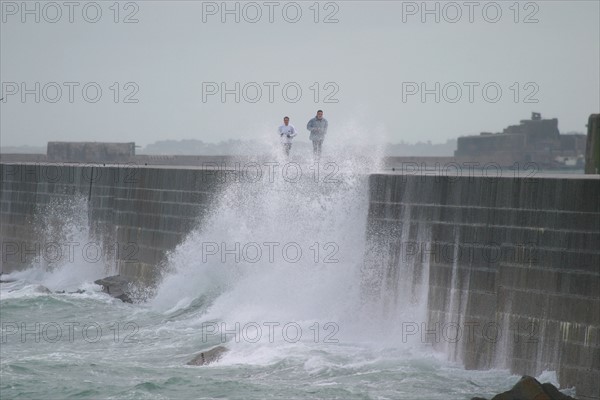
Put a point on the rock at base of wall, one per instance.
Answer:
(117, 286)
(529, 388)
(209, 356)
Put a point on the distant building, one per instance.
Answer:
(533, 140)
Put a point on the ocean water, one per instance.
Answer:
(276, 274)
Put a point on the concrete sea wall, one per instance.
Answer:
(513, 265)
(592, 154)
(137, 213)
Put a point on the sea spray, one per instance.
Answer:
(69, 253)
(285, 249)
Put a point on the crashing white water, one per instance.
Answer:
(69, 255)
(286, 249)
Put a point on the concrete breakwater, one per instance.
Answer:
(136, 214)
(511, 268)
(512, 264)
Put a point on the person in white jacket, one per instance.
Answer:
(286, 133)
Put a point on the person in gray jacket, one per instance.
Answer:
(318, 128)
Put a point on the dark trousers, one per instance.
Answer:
(317, 144)
(286, 148)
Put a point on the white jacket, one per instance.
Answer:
(286, 133)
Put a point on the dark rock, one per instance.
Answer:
(209, 356)
(529, 388)
(78, 291)
(554, 393)
(117, 286)
(42, 289)
(504, 396)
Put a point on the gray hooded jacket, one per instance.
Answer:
(317, 128)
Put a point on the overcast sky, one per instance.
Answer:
(365, 63)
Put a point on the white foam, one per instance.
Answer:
(65, 258)
(327, 213)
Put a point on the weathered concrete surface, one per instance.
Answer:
(19, 158)
(140, 213)
(592, 152)
(410, 164)
(513, 263)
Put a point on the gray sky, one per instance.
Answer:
(374, 61)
